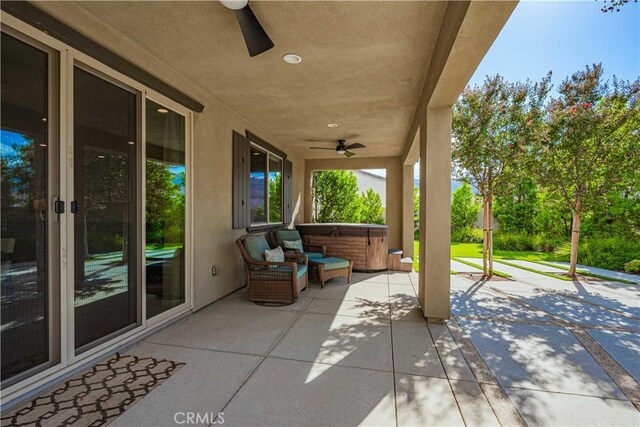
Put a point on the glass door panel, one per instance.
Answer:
(165, 209)
(25, 288)
(104, 209)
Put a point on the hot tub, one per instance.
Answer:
(365, 244)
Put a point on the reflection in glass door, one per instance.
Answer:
(27, 226)
(165, 209)
(104, 209)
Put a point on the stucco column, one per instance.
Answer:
(407, 210)
(435, 214)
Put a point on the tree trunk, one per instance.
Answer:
(485, 270)
(575, 238)
(490, 234)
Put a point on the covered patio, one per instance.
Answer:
(388, 349)
(525, 352)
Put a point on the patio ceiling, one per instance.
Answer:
(364, 63)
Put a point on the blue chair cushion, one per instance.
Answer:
(302, 270)
(313, 255)
(293, 244)
(282, 235)
(255, 246)
(332, 263)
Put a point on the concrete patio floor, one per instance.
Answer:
(536, 351)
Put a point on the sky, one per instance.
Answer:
(563, 37)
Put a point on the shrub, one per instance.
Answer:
(524, 242)
(464, 208)
(467, 235)
(632, 266)
(514, 242)
(611, 253)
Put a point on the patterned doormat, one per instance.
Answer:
(97, 396)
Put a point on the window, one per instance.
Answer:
(266, 187)
(261, 183)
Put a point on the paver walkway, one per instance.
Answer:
(536, 266)
(602, 272)
(460, 267)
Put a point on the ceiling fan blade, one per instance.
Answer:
(322, 148)
(349, 154)
(255, 37)
(356, 145)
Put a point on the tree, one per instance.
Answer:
(591, 141)
(464, 209)
(336, 197)
(164, 201)
(517, 207)
(372, 210)
(614, 5)
(492, 127)
(275, 197)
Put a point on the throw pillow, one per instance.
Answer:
(274, 255)
(293, 244)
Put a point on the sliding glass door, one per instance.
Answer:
(82, 188)
(165, 208)
(104, 209)
(29, 227)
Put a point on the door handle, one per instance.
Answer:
(58, 206)
(74, 206)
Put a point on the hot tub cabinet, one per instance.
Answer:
(364, 244)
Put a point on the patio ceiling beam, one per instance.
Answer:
(451, 23)
(468, 30)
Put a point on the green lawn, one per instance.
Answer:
(474, 250)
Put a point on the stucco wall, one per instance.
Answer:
(214, 239)
(393, 166)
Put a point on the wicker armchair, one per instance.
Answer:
(274, 282)
(272, 237)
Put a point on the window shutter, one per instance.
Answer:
(287, 207)
(241, 184)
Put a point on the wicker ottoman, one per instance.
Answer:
(331, 267)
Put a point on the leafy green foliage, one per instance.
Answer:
(633, 266)
(165, 204)
(336, 197)
(372, 210)
(464, 208)
(275, 198)
(516, 207)
(614, 5)
(611, 253)
(467, 235)
(591, 140)
(493, 125)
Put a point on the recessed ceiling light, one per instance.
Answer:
(101, 157)
(292, 58)
(332, 125)
(130, 142)
(43, 145)
(163, 110)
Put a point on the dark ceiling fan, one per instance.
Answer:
(255, 37)
(342, 148)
